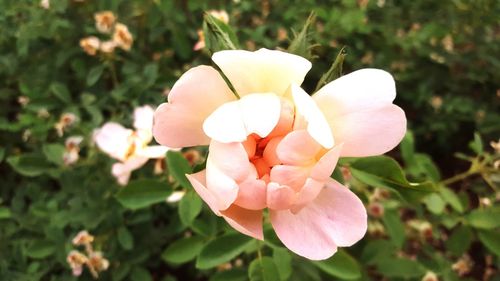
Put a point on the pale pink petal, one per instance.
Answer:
(245, 221)
(317, 126)
(193, 98)
(198, 181)
(292, 176)
(113, 139)
(279, 197)
(308, 192)
(252, 192)
(335, 218)
(220, 185)
(122, 170)
(143, 118)
(287, 118)
(234, 121)
(269, 154)
(153, 151)
(359, 90)
(261, 71)
(359, 110)
(297, 148)
(323, 169)
(250, 146)
(369, 132)
(230, 158)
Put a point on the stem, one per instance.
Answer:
(114, 77)
(259, 252)
(458, 177)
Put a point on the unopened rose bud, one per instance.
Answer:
(43, 113)
(23, 100)
(192, 156)
(485, 201)
(376, 210)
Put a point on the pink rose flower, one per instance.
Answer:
(129, 147)
(276, 147)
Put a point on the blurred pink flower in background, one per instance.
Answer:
(129, 147)
(276, 147)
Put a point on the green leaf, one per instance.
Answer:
(140, 274)
(183, 250)
(459, 241)
(283, 261)
(301, 44)
(2, 154)
(218, 35)
(61, 92)
(54, 152)
(407, 147)
(335, 70)
(491, 239)
(395, 228)
(487, 218)
(341, 265)
(386, 172)
(222, 249)
(235, 274)
(29, 165)
(125, 238)
(434, 203)
(94, 75)
(263, 269)
(178, 167)
(377, 250)
(143, 193)
(41, 249)
(5, 213)
(477, 144)
(400, 268)
(189, 207)
(451, 198)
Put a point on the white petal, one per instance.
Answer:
(261, 71)
(317, 126)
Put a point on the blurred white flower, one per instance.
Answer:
(66, 120)
(129, 147)
(104, 21)
(45, 4)
(90, 45)
(107, 47)
(72, 144)
(122, 37)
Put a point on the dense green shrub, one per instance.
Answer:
(443, 54)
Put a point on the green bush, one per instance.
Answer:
(443, 54)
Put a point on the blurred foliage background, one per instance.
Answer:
(445, 59)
